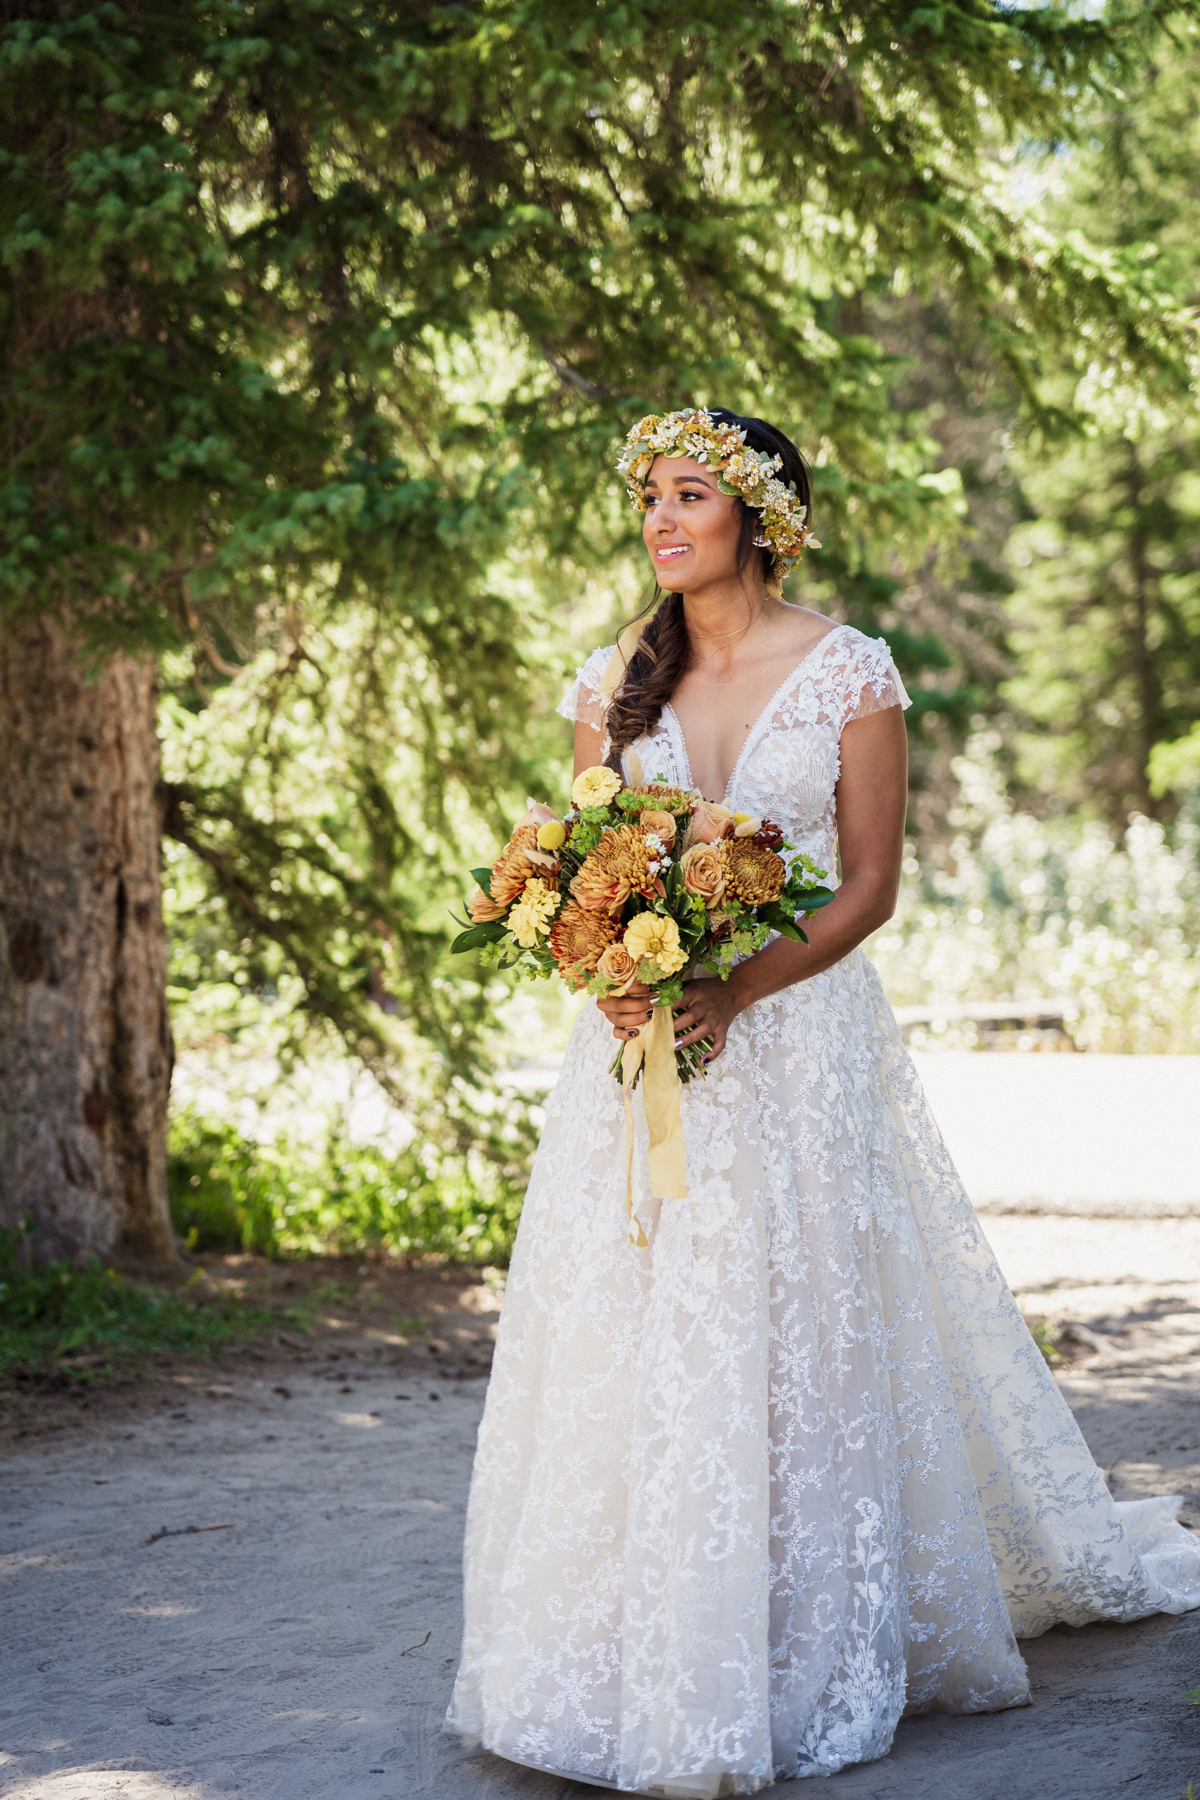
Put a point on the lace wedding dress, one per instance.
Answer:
(744, 1497)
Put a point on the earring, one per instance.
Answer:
(761, 543)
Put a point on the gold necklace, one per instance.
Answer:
(717, 637)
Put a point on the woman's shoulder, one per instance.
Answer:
(862, 671)
(583, 697)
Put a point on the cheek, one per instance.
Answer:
(714, 532)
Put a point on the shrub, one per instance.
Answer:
(1025, 908)
(230, 1193)
(53, 1313)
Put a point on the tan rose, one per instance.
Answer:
(617, 966)
(661, 823)
(482, 909)
(703, 874)
(710, 821)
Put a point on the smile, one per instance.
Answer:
(665, 552)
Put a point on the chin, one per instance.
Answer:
(677, 581)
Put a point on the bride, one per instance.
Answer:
(746, 1495)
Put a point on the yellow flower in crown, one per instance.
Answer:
(596, 787)
(649, 938)
(750, 474)
(529, 920)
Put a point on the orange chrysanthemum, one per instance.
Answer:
(579, 938)
(521, 861)
(617, 867)
(753, 875)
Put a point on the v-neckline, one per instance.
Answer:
(766, 712)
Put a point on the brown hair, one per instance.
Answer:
(664, 651)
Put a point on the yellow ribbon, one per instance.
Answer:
(655, 1047)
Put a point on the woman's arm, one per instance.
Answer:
(589, 746)
(872, 796)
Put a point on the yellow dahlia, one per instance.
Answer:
(649, 938)
(579, 938)
(617, 867)
(753, 876)
(596, 787)
(530, 918)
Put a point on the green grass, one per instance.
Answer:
(56, 1320)
(229, 1193)
(1042, 1331)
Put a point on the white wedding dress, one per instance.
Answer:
(744, 1497)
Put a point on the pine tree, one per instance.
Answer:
(1107, 601)
(319, 321)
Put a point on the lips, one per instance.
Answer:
(669, 552)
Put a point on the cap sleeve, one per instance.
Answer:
(583, 701)
(871, 682)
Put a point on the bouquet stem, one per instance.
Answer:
(689, 1062)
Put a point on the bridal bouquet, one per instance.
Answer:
(638, 884)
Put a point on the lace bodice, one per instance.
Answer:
(790, 762)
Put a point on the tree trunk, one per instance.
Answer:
(85, 1044)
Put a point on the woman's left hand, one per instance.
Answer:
(708, 1009)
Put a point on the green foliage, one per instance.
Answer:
(229, 1193)
(1044, 1334)
(319, 321)
(1107, 600)
(57, 1317)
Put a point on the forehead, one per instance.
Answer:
(672, 471)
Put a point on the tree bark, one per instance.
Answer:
(85, 1044)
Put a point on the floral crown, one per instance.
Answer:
(751, 474)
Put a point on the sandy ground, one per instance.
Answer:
(305, 1650)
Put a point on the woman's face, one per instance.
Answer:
(690, 527)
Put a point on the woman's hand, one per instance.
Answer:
(628, 1013)
(707, 1010)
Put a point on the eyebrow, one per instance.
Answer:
(680, 480)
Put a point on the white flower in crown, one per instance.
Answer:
(750, 474)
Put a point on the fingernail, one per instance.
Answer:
(649, 1012)
(706, 1059)
(678, 1041)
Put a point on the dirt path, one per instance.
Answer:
(305, 1650)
